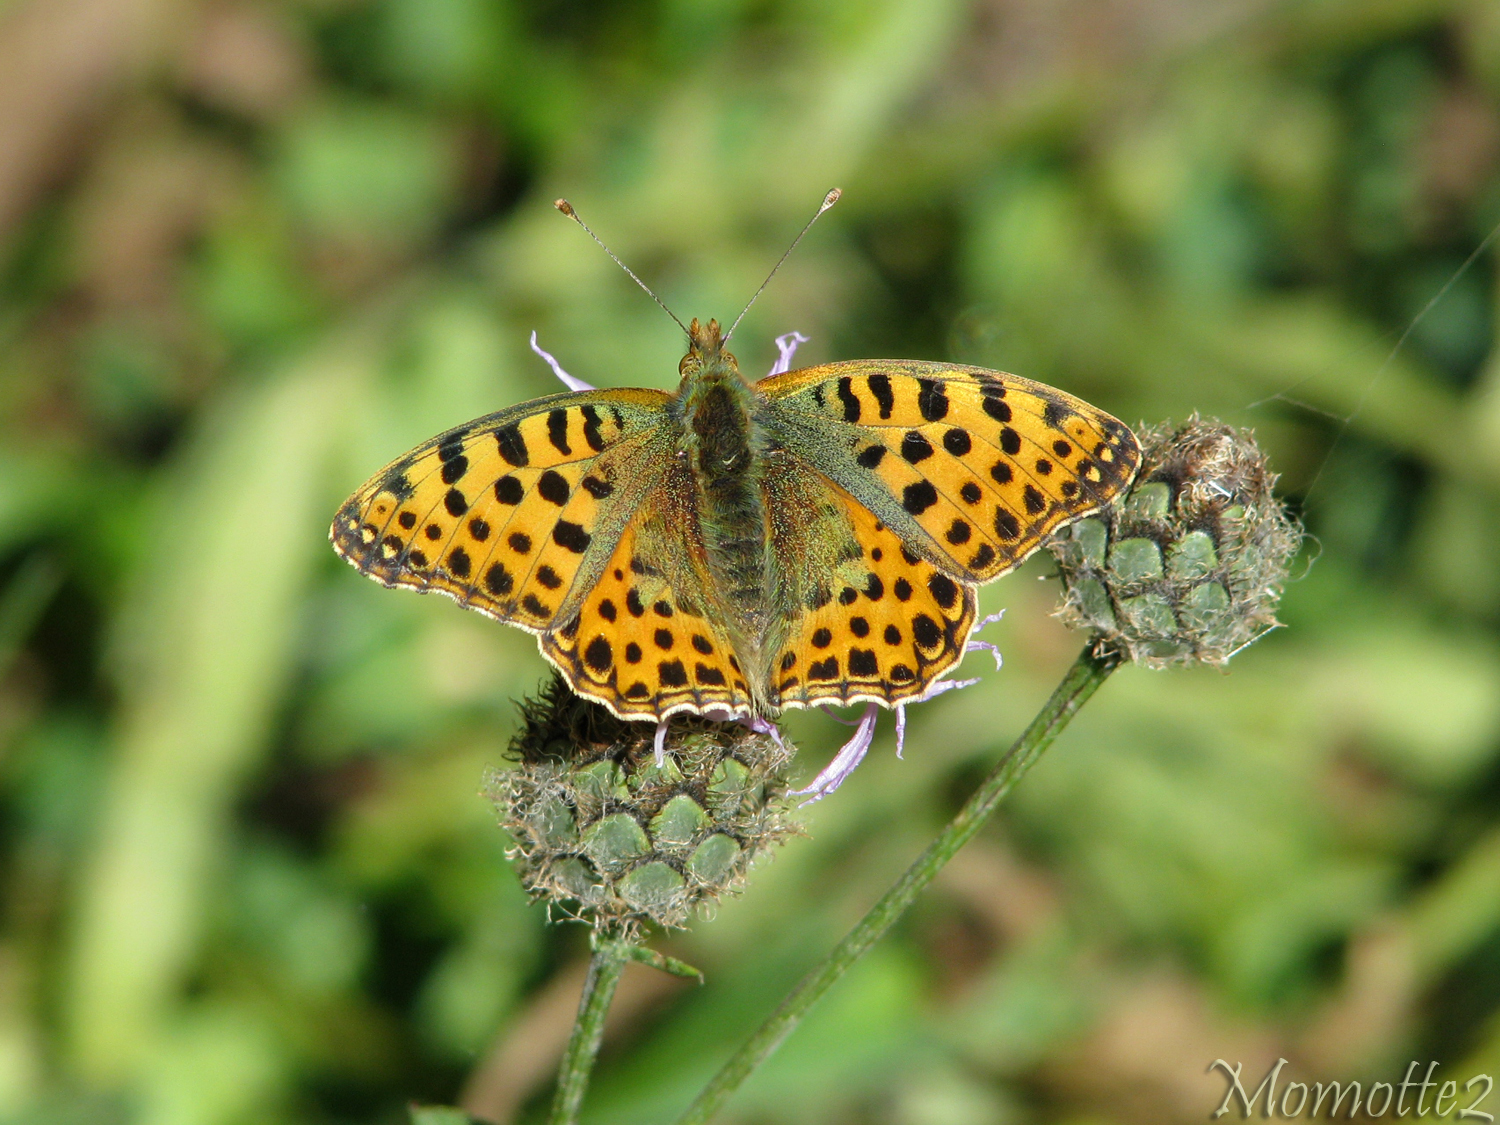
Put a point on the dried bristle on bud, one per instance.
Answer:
(607, 836)
(1188, 568)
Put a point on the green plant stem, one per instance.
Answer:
(605, 967)
(1083, 679)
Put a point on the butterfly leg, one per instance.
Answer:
(980, 646)
(935, 689)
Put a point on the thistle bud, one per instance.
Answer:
(1188, 568)
(610, 834)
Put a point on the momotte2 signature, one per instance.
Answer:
(1417, 1097)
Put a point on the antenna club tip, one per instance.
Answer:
(565, 207)
(830, 199)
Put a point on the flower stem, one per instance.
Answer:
(1089, 671)
(605, 967)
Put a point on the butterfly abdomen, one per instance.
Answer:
(726, 447)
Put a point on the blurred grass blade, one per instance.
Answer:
(202, 648)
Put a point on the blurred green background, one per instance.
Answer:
(252, 249)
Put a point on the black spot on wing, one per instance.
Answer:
(398, 484)
(994, 407)
(915, 447)
(571, 537)
(918, 496)
(557, 430)
(932, 399)
(943, 589)
(599, 655)
(512, 445)
(880, 387)
(553, 488)
(849, 399)
(591, 432)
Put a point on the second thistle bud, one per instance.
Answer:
(608, 835)
(1189, 567)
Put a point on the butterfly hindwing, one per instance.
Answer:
(642, 643)
(884, 628)
(507, 513)
(973, 468)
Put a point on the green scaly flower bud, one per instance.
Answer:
(607, 835)
(1188, 568)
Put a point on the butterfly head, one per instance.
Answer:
(706, 355)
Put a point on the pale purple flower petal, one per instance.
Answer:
(823, 707)
(787, 346)
(848, 757)
(567, 380)
(661, 744)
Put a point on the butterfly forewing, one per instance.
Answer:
(972, 468)
(511, 512)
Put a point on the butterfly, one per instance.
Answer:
(815, 537)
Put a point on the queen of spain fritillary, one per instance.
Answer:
(814, 537)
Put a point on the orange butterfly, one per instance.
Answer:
(816, 536)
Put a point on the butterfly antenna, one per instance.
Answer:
(828, 201)
(567, 209)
